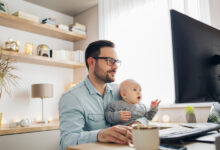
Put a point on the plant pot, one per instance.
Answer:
(191, 118)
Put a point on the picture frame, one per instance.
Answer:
(3, 7)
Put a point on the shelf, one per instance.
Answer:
(43, 29)
(31, 128)
(34, 59)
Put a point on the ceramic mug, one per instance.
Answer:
(145, 137)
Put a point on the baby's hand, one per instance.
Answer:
(125, 115)
(155, 103)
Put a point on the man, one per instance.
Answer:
(82, 108)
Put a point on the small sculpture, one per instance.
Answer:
(11, 45)
(43, 50)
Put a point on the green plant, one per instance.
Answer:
(213, 118)
(2, 7)
(189, 110)
(7, 77)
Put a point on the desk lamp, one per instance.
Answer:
(42, 91)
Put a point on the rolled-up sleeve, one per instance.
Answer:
(72, 122)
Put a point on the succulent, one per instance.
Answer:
(213, 118)
(189, 110)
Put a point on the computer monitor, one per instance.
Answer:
(196, 54)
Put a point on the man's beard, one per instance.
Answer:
(107, 78)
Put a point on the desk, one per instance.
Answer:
(33, 137)
(109, 146)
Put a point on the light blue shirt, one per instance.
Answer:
(81, 112)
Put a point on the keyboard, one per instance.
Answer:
(186, 130)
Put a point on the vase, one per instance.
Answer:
(190, 118)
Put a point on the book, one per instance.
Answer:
(27, 16)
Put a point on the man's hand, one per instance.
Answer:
(155, 103)
(125, 115)
(115, 134)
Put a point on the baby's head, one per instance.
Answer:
(130, 91)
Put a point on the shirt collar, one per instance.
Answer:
(92, 89)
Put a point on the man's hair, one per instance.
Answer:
(93, 50)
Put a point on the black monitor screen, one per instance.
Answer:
(196, 53)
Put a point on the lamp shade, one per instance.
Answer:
(42, 90)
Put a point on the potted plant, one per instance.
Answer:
(7, 77)
(190, 115)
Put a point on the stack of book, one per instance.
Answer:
(79, 56)
(78, 28)
(62, 54)
(63, 27)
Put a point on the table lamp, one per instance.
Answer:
(42, 91)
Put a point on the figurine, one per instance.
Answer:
(11, 45)
(43, 50)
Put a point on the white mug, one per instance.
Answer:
(145, 137)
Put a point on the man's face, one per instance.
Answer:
(102, 70)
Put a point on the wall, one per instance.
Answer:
(20, 104)
(214, 12)
(90, 19)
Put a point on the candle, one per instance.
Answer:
(29, 48)
(16, 120)
(37, 119)
(166, 118)
(50, 119)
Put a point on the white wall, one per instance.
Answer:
(20, 104)
(214, 12)
(90, 19)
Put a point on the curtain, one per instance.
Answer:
(142, 34)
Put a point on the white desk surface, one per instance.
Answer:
(109, 146)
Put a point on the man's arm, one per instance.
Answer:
(72, 122)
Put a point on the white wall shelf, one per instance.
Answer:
(34, 59)
(43, 29)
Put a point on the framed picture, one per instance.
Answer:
(3, 7)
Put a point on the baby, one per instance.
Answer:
(128, 110)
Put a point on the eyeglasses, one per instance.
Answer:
(110, 61)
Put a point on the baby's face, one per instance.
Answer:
(132, 94)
